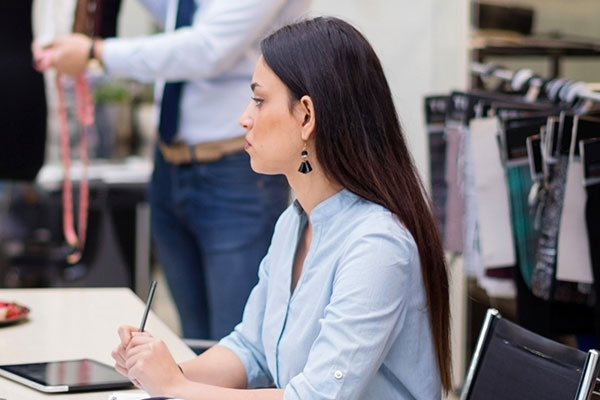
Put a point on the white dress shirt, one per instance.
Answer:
(215, 56)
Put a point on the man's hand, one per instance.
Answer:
(69, 55)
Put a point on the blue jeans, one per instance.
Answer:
(211, 226)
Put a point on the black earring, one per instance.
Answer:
(305, 167)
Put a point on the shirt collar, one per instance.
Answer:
(328, 207)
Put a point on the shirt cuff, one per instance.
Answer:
(300, 387)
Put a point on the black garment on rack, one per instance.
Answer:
(551, 318)
(23, 101)
(589, 128)
(435, 116)
(592, 214)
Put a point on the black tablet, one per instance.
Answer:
(66, 376)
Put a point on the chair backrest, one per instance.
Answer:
(510, 362)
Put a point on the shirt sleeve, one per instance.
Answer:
(362, 320)
(218, 37)
(246, 339)
(158, 10)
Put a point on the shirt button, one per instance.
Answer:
(338, 374)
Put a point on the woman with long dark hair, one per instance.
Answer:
(352, 299)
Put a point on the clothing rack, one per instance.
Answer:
(560, 89)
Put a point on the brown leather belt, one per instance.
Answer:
(181, 153)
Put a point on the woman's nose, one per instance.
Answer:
(245, 121)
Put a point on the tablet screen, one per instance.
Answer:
(66, 376)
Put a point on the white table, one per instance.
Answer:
(73, 323)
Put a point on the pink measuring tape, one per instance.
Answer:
(85, 116)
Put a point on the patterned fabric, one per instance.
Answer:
(545, 260)
(543, 281)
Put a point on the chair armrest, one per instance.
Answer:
(199, 345)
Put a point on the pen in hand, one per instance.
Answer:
(148, 304)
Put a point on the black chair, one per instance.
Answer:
(510, 362)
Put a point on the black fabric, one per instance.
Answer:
(550, 318)
(520, 365)
(435, 116)
(110, 12)
(592, 214)
(23, 101)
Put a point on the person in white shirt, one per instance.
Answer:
(211, 216)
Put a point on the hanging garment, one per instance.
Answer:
(436, 108)
(550, 318)
(494, 285)
(590, 154)
(455, 201)
(23, 103)
(543, 274)
(574, 263)
(515, 132)
(493, 209)
(544, 283)
(463, 107)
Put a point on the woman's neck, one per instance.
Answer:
(312, 188)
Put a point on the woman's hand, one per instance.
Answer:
(149, 362)
(119, 353)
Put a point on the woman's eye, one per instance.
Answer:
(257, 100)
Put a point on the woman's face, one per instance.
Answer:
(273, 131)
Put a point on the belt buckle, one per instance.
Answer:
(192, 153)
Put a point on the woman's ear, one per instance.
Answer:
(307, 111)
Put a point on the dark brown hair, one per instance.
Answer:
(359, 142)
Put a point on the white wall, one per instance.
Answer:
(134, 19)
(422, 46)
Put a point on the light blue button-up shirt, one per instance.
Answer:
(215, 56)
(356, 325)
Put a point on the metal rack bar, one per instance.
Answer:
(502, 73)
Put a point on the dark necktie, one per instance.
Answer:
(169, 108)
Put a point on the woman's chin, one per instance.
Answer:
(262, 169)
(256, 167)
